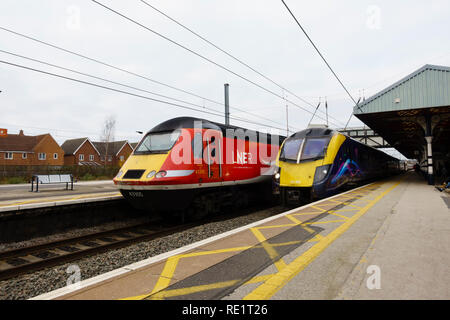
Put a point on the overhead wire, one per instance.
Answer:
(229, 54)
(200, 55)
(318, 51)
(130, 93)
(127, 71)
(320, 54)
(113, 82)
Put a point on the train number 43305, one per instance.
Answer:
(136, 194)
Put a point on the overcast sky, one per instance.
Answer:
(370, 45)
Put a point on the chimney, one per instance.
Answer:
(21, 133)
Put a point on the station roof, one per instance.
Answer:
(426, 87)
(397, 113)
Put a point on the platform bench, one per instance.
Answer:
(51, 179)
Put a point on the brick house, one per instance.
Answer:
(22, 150)
(117, 153)
(80, 152)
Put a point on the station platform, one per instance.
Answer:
(385, 240)
(19, 197)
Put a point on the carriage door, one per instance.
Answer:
(214, 157)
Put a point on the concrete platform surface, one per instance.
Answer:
(385, 240)
(14, 197)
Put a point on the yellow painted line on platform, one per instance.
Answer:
(304, 213)
(346, 203)
(294, 219)
(317, 237)
(346, 210)
(190, 290)
(171, 263)
(281, 278)
(324, 222)
(273, 254)
(58, 199)
(321, 210)
(278, 226)
(160, 289)
(337, 215)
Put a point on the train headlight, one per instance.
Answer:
(151, 174)
(161, 174)
(277, 175)
(321, 173)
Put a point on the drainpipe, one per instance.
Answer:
(429, 139)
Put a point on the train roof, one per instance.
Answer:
(189, 122)
(314, 132)
(324, 132)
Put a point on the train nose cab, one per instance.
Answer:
(148, 158)
(166, 166)
(303, 165)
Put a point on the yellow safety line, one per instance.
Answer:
(321, 210)
(337, 215)
(351, 205)
(281, 278)
(277, 226)
(166, 275)
(324, 222)
(294, 219)
(274, 282)
(346, 210)
(171, 263)
(195, 289)
(304, 213)
(317, 237)
(273, 254)
(46, 200)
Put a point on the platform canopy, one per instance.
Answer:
(411, 109)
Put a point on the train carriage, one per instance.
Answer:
(187, 162)
(318, 162)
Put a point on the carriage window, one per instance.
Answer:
(157, 142)
(290, 149)
(213, 151)
(314, 148)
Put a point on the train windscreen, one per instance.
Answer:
(290, 149)
(314, 148)
(157, 142)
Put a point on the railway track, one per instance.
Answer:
(19, 261)
(23, 260)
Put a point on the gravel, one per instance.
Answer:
(42, 281)
(75, 232)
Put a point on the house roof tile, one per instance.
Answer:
(20, 142)
(113, 148)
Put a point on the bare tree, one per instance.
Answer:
(107, 134)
